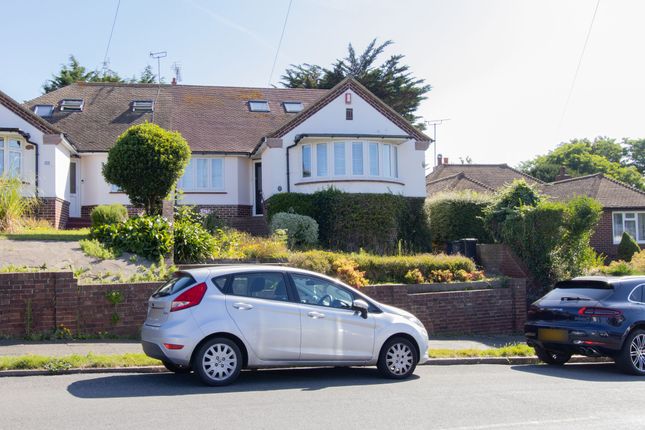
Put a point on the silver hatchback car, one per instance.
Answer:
(216, 321)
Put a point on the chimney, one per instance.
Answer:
(445, 160)
(562, 174)
(439, 159)
(174, 81)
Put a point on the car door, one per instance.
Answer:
(331, 330)
(259, 304)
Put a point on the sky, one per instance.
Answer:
(501, 70)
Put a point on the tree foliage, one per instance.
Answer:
(146, 162)
(391, 81)
(585, 157)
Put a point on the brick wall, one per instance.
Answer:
(223, 211)
(603, 238)
(495, 310)
(500, 259)
(41, 302)
(132, 210)
(54, 210)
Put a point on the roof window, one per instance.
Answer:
(72, 105)
(143, 105)
(292, 107)
(259, 106)
(44, 110)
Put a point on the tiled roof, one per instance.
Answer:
(211, 119)
(493, 176)
(457, 182)
(27, 115)
(609, 192)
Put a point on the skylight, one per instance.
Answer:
(259, 106)
(292, 107)
(143, 105)
(73, 105)
(43, 110)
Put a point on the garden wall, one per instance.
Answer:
(34, 303)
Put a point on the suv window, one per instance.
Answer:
(269, 286)
(637, 294)
(316, 291)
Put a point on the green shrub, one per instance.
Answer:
(193, 243)
(108, 214)
(627, 247)
(212, 222)
(13, 205)
(453, 216)
(414, 276)
(147, 236)
(379, 223)
(506, 203)
(94, 248)
(302, 230)
(347, 271)
(316, 261)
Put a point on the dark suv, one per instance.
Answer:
(592, 316)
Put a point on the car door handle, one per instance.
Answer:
(316, 315)
(242, 306)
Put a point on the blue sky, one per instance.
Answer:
(500, 69)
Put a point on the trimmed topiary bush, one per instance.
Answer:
(302, 230)
(108, 214)
(453, 216)
(627, 247)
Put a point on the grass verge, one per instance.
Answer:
(48, 233)
(515, 350)
(75, 361)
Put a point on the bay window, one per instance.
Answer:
(629, 222)
(203, 174)
(321, 159)
(339, 158)
(357, 158)
(306, 161)
(374, 162)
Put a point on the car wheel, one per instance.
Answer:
(218, 362)
(398, 358)
(632, 357)
(176, 368)
(555, 358)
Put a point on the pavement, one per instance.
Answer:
(60, 348)
(590, 396)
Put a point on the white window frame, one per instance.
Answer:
(6, 151)
(209, 187)
(634, 216)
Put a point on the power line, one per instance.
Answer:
(284, 26)
(107, 48)
(575, 75)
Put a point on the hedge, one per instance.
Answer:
(382, 269)
(458, 215)
(379, 223)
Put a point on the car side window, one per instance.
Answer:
(220, 282)
(316, 291)
(270, 286)
(637, 295)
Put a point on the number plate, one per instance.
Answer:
(552, 335)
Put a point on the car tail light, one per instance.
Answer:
(189, 298)
(173, 346)
(599, 312)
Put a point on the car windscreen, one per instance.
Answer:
(580, 291)
(174, 285)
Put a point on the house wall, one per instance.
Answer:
(8, 119)
(603, 238)
(331, 119)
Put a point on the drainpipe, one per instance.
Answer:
(288, 171)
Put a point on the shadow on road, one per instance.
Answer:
(597, 372)
(169, 384)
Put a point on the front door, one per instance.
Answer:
(331, 330)
(74, 199)
(258, 188)
(260, 305)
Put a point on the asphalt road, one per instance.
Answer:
(439, 397)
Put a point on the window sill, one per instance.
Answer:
(344, 180)
(205, 192)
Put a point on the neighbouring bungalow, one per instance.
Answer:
(623, 205)
(247, 144)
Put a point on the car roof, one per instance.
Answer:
(218, 270)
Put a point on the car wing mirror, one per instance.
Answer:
(360, 306)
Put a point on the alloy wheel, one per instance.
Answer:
(399, 358)
(219, 362)
(637, 352)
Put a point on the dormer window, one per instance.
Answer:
(71, 105)
(259, 106)
(292, 107)
(143, 105)
(44, 110)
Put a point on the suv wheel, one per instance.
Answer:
(555, 358)
(176, 368)
(632, 357)
(398, 358)
(218, 362)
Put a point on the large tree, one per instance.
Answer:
(635, 152)
(391, 81)
(146, 162)
(584, 157)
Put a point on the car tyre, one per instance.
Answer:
(554, 358)
(632, 357)
(398, 358)
(176, 368)
(218, 362)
